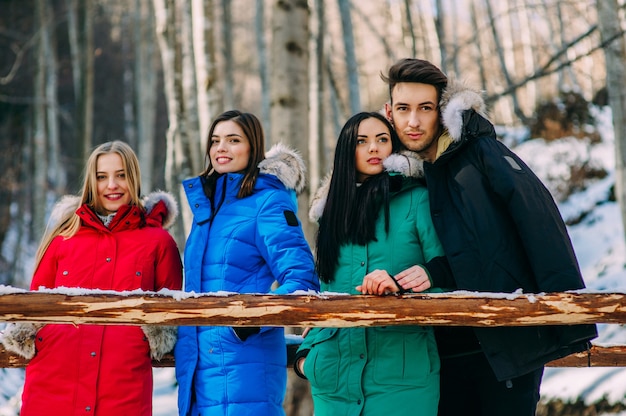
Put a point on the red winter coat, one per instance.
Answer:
(94, 369)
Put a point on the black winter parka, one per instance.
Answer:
(501, 231)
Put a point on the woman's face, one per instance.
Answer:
(230, 148)
(112, 183)
(373, 145)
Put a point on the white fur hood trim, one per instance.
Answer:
(405, 163)
(287, 165)
(153, 198)
(457, 98)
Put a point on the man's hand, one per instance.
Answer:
(414, 278)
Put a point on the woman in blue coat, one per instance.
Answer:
(245, 237)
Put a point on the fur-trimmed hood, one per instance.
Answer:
(287, 165)
(456, 99)
(68, 204)
(404, 162)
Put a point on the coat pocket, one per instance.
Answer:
(405, 356)
(321, 366)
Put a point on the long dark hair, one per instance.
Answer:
(253, 130)
(350, 212)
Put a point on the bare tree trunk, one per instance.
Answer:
(615, 55)
(40, 133)
(319, 161)
(190, 133)
(57, 174)
(408, 17)
(500, 52)
(259, 28)
(206, 67)
(528, 58)
(145, 97)
(351, 64)
(227, 53)
(86, 88)
(81, 49)
(165, 26)
(290, 84)
(440, 27)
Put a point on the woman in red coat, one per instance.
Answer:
(107, 239)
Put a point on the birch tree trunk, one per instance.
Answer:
(259, 28)
(190, 133)
(615, 55)
(165, 26)
(40, 137)
(227, 54)
(501, 54)
(290, 85)
(351, 64)
(440, 28)
(145, 97)
(319, 161)
(206, 67)
(526, 50)
(86, 88)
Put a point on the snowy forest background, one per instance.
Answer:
(75, 73)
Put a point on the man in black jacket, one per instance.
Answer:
(501, 232)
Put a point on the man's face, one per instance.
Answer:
(414, 113)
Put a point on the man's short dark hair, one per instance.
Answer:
(415, 70)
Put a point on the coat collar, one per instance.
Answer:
(161, 209)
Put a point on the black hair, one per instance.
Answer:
(351, 211)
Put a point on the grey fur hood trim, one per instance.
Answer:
(153, 198)
(68, 204)
(405, 162)
(19, 338)
(161, 339)
(318, 202)
(287, 165)
(457, 98)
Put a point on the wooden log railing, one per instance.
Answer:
(307, 310)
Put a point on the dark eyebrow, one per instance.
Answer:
(228, 135)
(419, 104)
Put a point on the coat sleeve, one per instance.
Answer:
(535, 215)
(281, 242)
(431, 246)
(169, 269)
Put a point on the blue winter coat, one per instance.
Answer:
(243, 246)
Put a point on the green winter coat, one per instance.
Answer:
(379, 370)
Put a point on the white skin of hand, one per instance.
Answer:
(377, 282)
(414, 278)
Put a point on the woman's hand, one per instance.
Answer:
(414, 278)
(378, 282)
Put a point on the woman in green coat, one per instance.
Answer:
(373, 225)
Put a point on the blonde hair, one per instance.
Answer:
(69, 224)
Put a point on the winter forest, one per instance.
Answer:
(154, 73)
